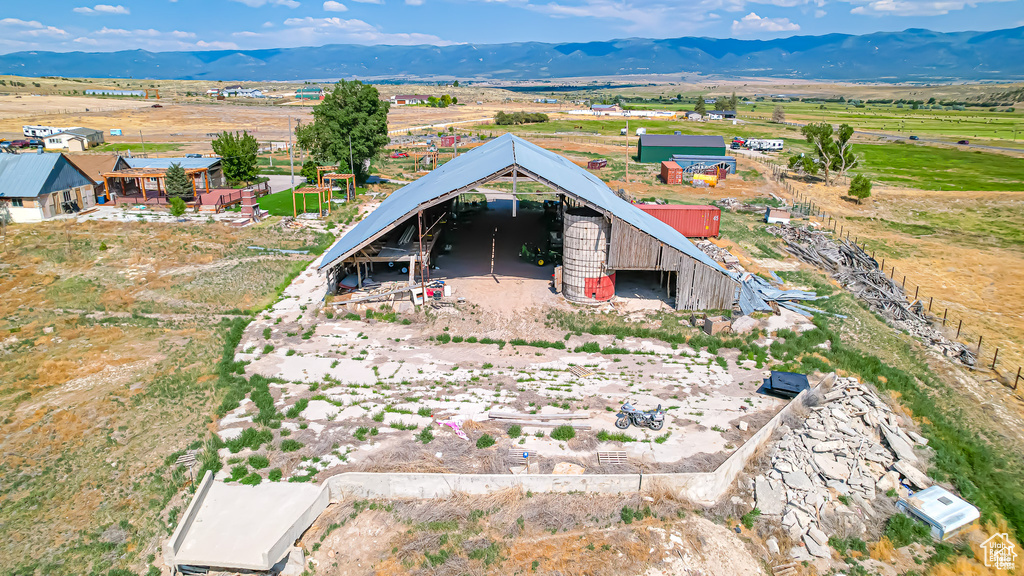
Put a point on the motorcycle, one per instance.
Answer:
(653, 419)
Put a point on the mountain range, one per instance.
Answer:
(914, 55)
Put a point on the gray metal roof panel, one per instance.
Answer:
(166, 162)
(495, 157)
(31, 175)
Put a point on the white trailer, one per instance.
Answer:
(764, 144)
(44, 131)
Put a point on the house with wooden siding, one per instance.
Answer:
(36, 187)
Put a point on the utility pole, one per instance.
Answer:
(627, 151)
(351, 162)
(143, 142)
(291, 158)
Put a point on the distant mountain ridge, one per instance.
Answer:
(910, 55)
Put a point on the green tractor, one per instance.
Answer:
(540, 257)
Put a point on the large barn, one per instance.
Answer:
(662, 147)
(603, 233)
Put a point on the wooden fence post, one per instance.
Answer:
(979, 344)
(1017, 379)
(958, 327)
(944, 316)
(930, 299)
(994, 357)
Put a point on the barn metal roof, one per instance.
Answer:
(492, 160)
(165, 163)
(684, 140)
(32, 175)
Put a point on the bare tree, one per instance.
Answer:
(779, 115)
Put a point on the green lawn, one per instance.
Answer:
(137, 147)
(934, 168)
(280, 203)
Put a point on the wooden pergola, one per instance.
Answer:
(140, 175)
(329, 179)
(323, 195)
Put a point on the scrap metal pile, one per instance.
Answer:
(859, 273)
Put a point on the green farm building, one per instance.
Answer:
(661, 147)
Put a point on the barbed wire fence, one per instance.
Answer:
(986, 353)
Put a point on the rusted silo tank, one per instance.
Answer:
(585, 277)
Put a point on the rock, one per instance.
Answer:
(568, 468)
(917, 438)
(900, 447)
(816, 549)
(830, 446)
(742, 426)
(773, 545)
(912, 474)
(744, 324)
(799, 554)
(818, 536)
(293, 563)
(48, 330)
(771, 498)
(831, 467)
(798, 480)
(889, 481)
(839, 486)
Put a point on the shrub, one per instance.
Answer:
(903, 530)
(424, 411)
(514, 431)
(297, 408)
(252, 479)
(485, 441)
(250, 438)
(563, 433)
(266, 333)
(274, 475)
(749, 518)
(290, 445)
(605, 436)
(257, 461)
(238, 472)
(425, 435)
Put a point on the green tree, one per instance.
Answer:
(353, 110)
(177, 206)
(455, 84)
(832, 157)
(446, 101)
(309, 171)
(860, 188)
(433, 102)
(177, 183)
(455, 100)
(700, 108)
(734, 102)
(238, 155)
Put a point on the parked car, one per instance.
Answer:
(5, 144)
(964, 142)
(193, 155)
(19, 144)
(399, 154)
(914, 138)
(35, 143)
(157, 106)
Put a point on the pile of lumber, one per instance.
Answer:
(859, 273)
(541, 420)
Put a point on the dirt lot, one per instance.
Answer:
(108, 340)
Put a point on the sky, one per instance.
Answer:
(162, 25)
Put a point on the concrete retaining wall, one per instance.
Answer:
(280, 549)
(173, 543)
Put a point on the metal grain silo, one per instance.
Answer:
(585, 277)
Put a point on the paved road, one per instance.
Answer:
(278, 182)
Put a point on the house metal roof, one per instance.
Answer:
(32, 175)
(165, 163)
(94, 165)
(685, 140)
(491, 160)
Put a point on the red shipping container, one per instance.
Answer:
(671, 173)
(449, 141)
(690, 221)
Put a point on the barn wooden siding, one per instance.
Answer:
(698, 286)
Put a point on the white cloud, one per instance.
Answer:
(914, 7)
(819, 13)
(29, 28)
(641, 17)
(415, 2)
(102, 9)
(308, 31)
(217, 45)
(369, 1)
(258, 3)
(332, 6)
(752, 24)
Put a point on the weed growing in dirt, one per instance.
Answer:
(258, 462)
(425, 436)
(749, 518)
(485, 441)
(563, 433)
(515, 431)
(290, 445)
(605, 436)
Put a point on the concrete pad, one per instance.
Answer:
(249, 527)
